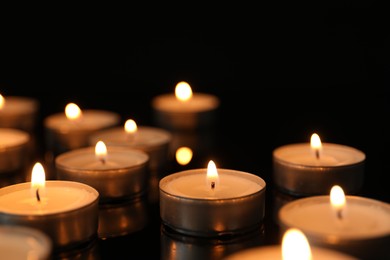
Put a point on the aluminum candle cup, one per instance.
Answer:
(67, 211)
(363, 231)
(23, 243)
(124, 174)
(152, 140)
(198, 112)
(297, 171)
(189, 206)
(14, 148)
(63, 134)
(19, 112)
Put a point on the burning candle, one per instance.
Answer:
(354, 225)
(152, 140)
(204, 202)
(18, 112)
(71, 130)
(115, 172)
(294, 246)
(13, 149)
(23, 243)
(185, 110)
(66, 211)
(312, 169)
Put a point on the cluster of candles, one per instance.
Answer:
(98, 163)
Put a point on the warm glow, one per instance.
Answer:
(212, 175)
(38, 176)
(101, 151)
(183, 91)
(315, 144)
(72, 111)
(2, 101)
(295, 245)
(130, 126)
(183, 155)
(337, 198)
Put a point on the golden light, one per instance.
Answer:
(337, 200)
(2, 101)
(130, 126)
(212, 175)
(183, 155)
(295, 245)
(315, 144)
(72, 111)
(101, 151)
(38, 177)
(183, 91)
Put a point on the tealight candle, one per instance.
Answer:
(152, 140)
(355, 225)
(294, 246)
(18, 112)
(14, 147)
(115, 172)
(71, 130)
(312, 169)
(204, 202)
(66, 211)
(23, 243)
(185, 109)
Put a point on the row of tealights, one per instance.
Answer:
(204, 202)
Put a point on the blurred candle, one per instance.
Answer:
(312, 169)
(152, 140)
(203, 202)
(18, 112)
(14, 147)
(185, 110)
(116, 172)
(71, 130)
(354, 225)
(66, 211)
(294, 246)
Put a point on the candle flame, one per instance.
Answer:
(38, 176)
(212, 175)
(130, 126)
(337, 200)
(295, 245)
(101, 151)
(72, 111)
(183, 91)
(2, 101)
(315, 144)
(183, 155)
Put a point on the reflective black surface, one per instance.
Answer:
(323, 76)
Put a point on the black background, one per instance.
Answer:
(280, 73)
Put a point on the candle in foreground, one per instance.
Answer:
(312, 169)
(205, 202)
(185, 110)
(116, 172)
(71, 130)
(355, 225)
(152, 140)
(24, 243)
(295, 246)
(13, 149)
(18, 112)
(66, 211)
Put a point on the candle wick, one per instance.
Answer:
(213, 185)
(339, 214)
(317, 152)
(37, 194)
(103, 161)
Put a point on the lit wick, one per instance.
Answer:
(317, 153)
(339, 214)
(37, 195)
(213, 185)
(103, 160)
